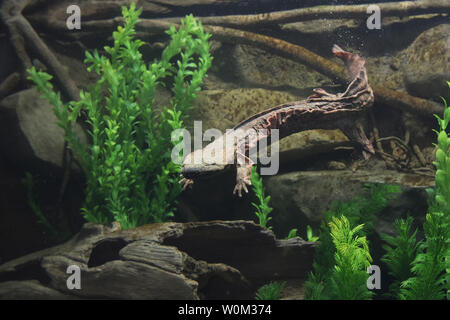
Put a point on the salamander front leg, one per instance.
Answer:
(243, 173)
(242, 179)
(186, 183)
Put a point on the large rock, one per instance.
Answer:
(258, 68)
(30, 135)
(300, 198)
(426, 66)
(203, 260)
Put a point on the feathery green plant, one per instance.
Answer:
(262, 208)
(318, 283)
(271, 291)
(429, 266)
(432, 264)
(361, 210)
(130, 177)
(400, 253)
(352, 257)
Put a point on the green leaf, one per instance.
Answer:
(292, 234)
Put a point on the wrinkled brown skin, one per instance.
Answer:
(322, 110)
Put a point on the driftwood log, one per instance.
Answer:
(201, 260)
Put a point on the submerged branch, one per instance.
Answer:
(389, 97)
(403, 8)
(395, 99)
(294, 52)
(9, 84)
(23, 37)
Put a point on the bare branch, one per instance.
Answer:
(404, 8)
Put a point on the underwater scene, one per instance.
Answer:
(224, 150)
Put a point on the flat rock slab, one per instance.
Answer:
(198, 260)
(301, 198)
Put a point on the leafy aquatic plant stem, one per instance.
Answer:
(262, 207)
(401, 251)
(352, 257)
(270, 291)
(358, 211)
(431, 266)
(130, 176)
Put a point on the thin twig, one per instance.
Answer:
(400, 141)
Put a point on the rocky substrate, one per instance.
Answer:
(298, 197)
(200, 260)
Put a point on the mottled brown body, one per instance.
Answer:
(322, 110)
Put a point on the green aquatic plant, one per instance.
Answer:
(401, 251)
(340, 265)
(53, 234)
(309, 234)
(292, 233)
(318, 283)
(432, 264)
(429, 266)
(361, 210)
(130, 176)
(364, 209)
(270, 291)
(262, 207)
(352, 258)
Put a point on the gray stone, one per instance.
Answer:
(300, 198)
(426, 66)
(29, 131)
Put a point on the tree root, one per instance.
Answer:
(419, 155)
(406, 102)
(389, 97)
(20, 31)
(9, 84)
(400, 142)
(401, 154)
(401, 9)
